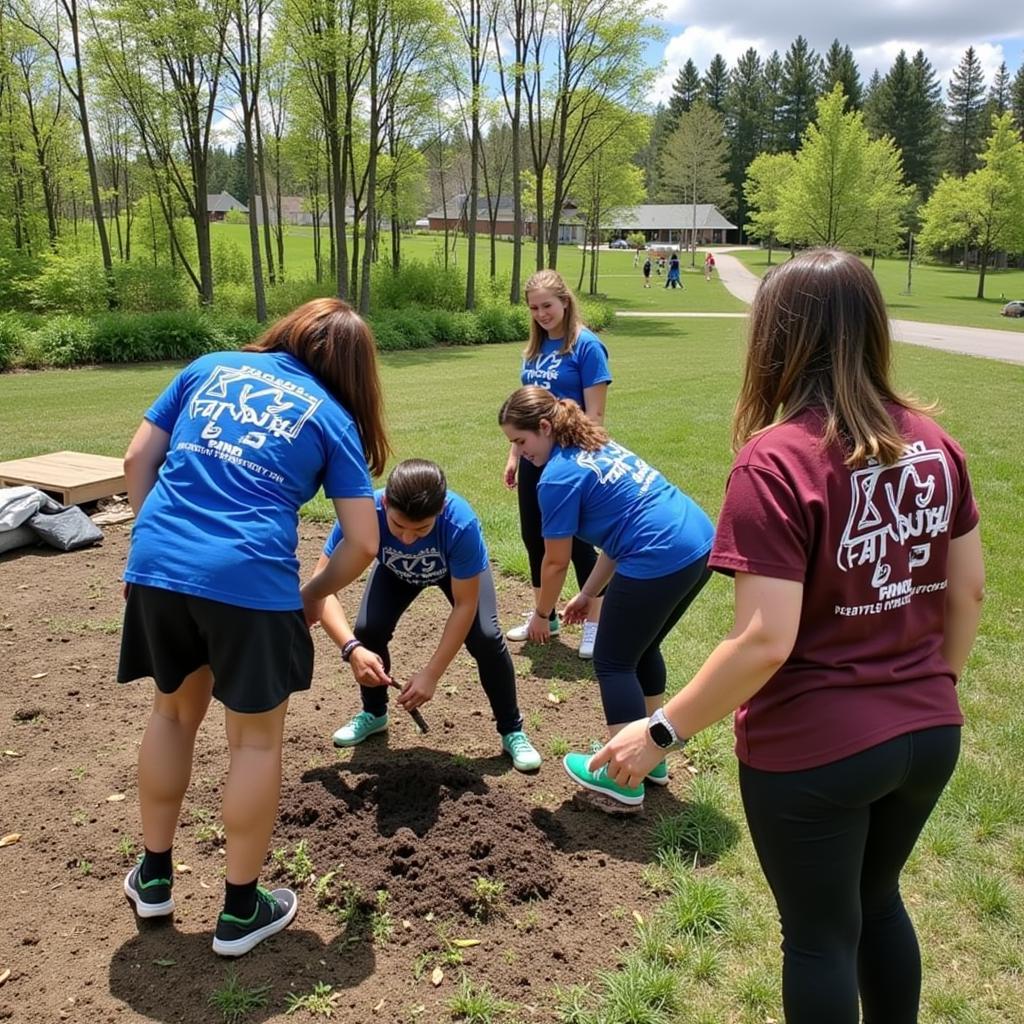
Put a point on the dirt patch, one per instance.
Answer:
(389, 840)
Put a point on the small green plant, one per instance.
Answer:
(528, 922)
(84, 867)
(642, 991)
(487, 897)
(236, 1001)
(472, 1005)
(573, 1005)
(298, 867)
(381, 923)
(559, 746)
(208, 828)
(461, 760)
(322, 1001)
(78, 773)
(534, 720)
(988, 896)
(79, 817)
(126, 848)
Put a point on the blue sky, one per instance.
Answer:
(876, 30)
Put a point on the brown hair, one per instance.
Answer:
(819, 336)
(416, 488)
(570, 425)
(338, 347)
(552, 281)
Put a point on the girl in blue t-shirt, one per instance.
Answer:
(216, 474)
(565, 357)
(429, 537)
(654, 544)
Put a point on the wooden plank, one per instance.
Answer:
(75, 477)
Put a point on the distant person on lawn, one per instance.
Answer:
(429, 537)
(647, 272)
(565, 357)
(216, 474)
(654, 543)
(709, 265)
(852, 533)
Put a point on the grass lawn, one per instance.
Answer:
(939, 294)
(707, 950)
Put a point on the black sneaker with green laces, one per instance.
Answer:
(274, 911)
(152, 898)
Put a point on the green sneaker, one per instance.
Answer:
(152, 898)
(523, 753)
(520, 633)
(359, 728)
(658, 774)
(598, 782)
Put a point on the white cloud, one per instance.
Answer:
(699, 45)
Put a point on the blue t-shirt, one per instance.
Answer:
(253, 437)
(614, 500)
(567, 375)
(454, 546)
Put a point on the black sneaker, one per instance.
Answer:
(274, 911)
(150, 899)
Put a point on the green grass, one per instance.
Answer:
(710, 949)
(939, 294)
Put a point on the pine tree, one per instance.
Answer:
(842, 68)
(801, 73)
(872, 97)
(715, 84)
(771, 113)
(685, 91)
(999, 94)
(965, 108)
(1017, 99)
(744, 106)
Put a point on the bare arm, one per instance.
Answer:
(577, 609)
(557, 555)
(142, 461)
(594, 400)
(965, 590)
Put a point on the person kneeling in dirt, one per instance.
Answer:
(429, 536)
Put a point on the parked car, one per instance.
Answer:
(1014, 308)
(618, 243)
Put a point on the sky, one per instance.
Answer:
(876, 30)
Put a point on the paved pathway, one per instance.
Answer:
(972, 341)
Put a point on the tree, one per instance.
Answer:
(771, 116)
(965, 108)
(888, 198)
(1017, 99)
(685, 91)
(766, 180)
(841, 68)
(715, 83)
(999, 94)
(650, 154)
(801, 75)
(744, 127)
(695, 163)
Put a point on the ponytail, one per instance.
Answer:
(570, 426)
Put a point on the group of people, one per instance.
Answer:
(848, 525)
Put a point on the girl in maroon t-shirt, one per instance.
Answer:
(851, 530)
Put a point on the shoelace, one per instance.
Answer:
(518, 742)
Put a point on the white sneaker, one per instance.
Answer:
(589, 638)
(519, 633)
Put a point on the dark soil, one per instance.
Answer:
(395, 832)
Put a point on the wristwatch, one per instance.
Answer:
(659, 728)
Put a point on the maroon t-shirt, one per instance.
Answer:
(870, 547)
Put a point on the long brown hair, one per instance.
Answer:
(819, 336)
(338, 347)
(552, 281)
(570, 425)
(417, 488)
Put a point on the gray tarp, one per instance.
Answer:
(28, 516)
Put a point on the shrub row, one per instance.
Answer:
(66, 340)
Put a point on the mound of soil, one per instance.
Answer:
(409, 853)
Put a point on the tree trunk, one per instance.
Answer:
(983, 260)
(261, 170)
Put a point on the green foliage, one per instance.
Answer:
(236, 1001)
(65, 340)
(231, 265)
(417, 284)
(69, 281)
(13, 336)
(472, 1005)
(321, 1002)
(142, 287)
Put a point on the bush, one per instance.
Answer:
(13, 336)
(65, 340)
(68, 281)
(502, 323)
(231, 265)
(144, 288)
(596, 313)
(417, 284)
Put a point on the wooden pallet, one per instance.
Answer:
(72, 477)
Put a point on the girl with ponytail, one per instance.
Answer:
(654, 543)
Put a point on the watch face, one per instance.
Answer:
(660, 734)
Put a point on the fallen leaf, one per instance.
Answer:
(430, 916)
(203, 884)
(465, 943)
(115, 798)
(6, 974)
(553, 698)
(39, 675)
(165, 962)
(436, 977)
(379, 1006)
(13, 753)
(183, 869)
(10, 839)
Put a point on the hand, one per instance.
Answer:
(418, 690)
(312, 607)
(539, 630)
(576, 610)
(511, 471)
(630, 754)
(368, 668)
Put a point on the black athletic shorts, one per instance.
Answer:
(258, 657)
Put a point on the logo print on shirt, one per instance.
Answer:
(908, 502)
(426, 566)
(612, 462)
(267, 405)
(542, 370)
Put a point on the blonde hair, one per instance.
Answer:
(819, 337)
(570, 426)
(552, 281)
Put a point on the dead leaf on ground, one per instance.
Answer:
(5, 975)
(10, 839)
(183, 869)
(115, 798)
(165, 962)
(39, 675)
(638, 917)
(436, 977)
(379, 1006)
(13, 753)
(465, 943)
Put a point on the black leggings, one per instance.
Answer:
(385, 600)
(584, 557)
(635, 617)
(832, 842)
